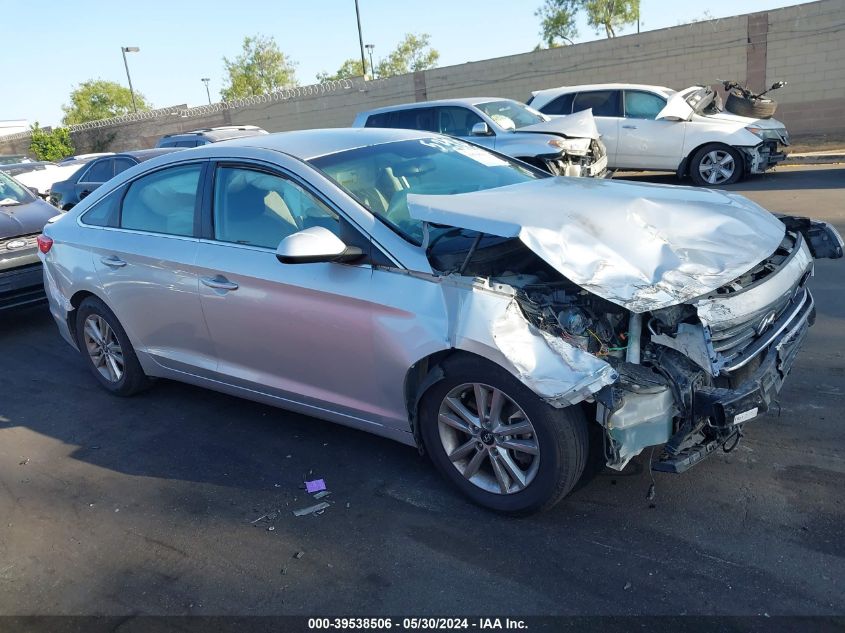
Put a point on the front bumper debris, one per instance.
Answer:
(728, 409)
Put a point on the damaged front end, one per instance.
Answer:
(712, 364)
(677, 335)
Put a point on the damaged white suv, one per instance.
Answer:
(657, 128)
(489, 314)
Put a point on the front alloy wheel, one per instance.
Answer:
(497, 441)
(716, 165)
(488, 438)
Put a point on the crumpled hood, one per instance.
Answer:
(578, 125)
(25, 219)
(641, 246)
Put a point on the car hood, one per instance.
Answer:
(25, 219)
(731, 118)
(643, 247)
(578, 125)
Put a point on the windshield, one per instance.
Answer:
(381, 176)
(510, 115)
(11, 192)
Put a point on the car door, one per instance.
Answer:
(98, 172)
(645, 143)
(145, 255)
(299, 332)
(607, 111)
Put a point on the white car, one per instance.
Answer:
(44, 175)
(657, 128)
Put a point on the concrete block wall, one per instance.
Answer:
(802, 44)
(806, 47)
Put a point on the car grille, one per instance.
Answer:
(736, 343)
(18, 243)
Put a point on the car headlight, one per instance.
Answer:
(769, 134)
(574, 146)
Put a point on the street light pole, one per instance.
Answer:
(370, 48)
(205, 80)
(124, 50)
(361, 40)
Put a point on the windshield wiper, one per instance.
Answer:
(471, 252)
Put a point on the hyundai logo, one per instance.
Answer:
(766, 322)
(15, 244)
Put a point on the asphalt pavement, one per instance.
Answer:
(148, 505)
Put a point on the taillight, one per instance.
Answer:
(44, 243)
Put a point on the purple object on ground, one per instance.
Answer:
(315, 486)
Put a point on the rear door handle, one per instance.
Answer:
(219, 282)
(630, 127)
(114, 262)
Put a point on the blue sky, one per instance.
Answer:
(55, 45)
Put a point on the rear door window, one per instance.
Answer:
(642, 105)
(602, 102)
(122, 164)
(164, 201)
(561, 105)
(100, 171)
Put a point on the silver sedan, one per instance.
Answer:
(439, 294)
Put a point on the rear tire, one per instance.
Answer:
(516, 473)
(715, 165)
(106, 349)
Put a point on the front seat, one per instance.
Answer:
(250, 221)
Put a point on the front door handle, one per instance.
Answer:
(219, 282)
(113, 262)
(630, 127)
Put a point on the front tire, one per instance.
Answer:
(107, 351)
(498, 442)
(716, 164)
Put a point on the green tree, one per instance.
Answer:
(260, 68)
(97, 99)
(50, 144)
(611, 15)
(557, 17)
(349, 69)
(557, 21)
(413, 53)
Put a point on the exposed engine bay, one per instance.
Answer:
(689, 375)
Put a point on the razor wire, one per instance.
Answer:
(283, 94)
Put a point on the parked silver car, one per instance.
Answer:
(566, 146)
(430, 291)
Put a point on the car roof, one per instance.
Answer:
(223, 131)
(146, 154)
(465, 101)
(582, 87)
(308, 144)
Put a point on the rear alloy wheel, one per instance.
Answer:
(497, 441)
(716, 165)
(103, 348)
(107, 350)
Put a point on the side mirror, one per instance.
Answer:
(316, 244)
(34, 190)
(481, 129)
(777, 84)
